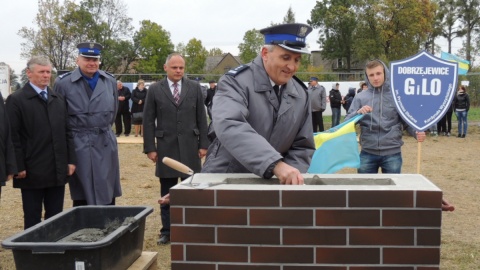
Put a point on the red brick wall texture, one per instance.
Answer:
(215, 229)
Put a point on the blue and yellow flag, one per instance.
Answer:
(337, 148)
(463, 65)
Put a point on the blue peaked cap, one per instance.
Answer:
(290, 36)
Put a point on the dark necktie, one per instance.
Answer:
(277, 92)
(176, 95)
(43, 94)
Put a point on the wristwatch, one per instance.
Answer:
(269, 172)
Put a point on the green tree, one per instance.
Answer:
(195, 56)
(470, 17)
(56, 37)
(392, 29)
(289, 17)
(252, 43)
(153, 45)
(337, 22)
(446, 18)
(110, 26)
(215, 52)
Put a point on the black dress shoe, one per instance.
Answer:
(164, 239)
(118, 135)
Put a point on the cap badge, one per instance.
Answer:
(303, 31)
(92, 45)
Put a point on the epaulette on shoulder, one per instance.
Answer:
(64, 75)
(113, 76)
(300, 82)
(235, 71)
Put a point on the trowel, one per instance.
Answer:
(178, 166)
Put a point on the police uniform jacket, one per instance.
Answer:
(252, 129)
(41, 137)
(91, 114)
(178, 130)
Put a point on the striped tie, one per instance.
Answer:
(43, 94)
(176, 95)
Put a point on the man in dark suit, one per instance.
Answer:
(43, 143)
(174, 116)
(8, 166)
(123, 110)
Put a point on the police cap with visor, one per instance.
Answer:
(291, 36)
(90, 49)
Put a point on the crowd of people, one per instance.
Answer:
(262, 120)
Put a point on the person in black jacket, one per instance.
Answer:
(461, 104)
(43, 143)
(123, 110)
(209, 99)
(336, 102)
(139, 94)
(8, 167)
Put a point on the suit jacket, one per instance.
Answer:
(42, 138)
(179, 130)
(124, 105)
(7, 152)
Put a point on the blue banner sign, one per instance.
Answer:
(423, 88)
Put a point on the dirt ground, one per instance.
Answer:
(453, 164)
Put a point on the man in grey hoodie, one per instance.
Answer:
(381, 127)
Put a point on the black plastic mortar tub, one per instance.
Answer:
(39, 248)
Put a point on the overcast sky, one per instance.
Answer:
(217, 23)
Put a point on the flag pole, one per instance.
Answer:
(419, 156)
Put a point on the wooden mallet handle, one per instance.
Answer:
(176, 165)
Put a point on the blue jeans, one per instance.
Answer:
(462, 122)
(369, 163)
(336, 116)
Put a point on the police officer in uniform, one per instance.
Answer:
(261, 112)
(92, 104)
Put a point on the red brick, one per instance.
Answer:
(296, 267)
(411, 256)
(243, 235)
(216, 216)
(192, 197)
(192, 266)
(379, 237)
(218, 253)
(380, 198)
(281, 217)
(248, 267)
(381, 268)
(250, 198)
(314, 198)
(176, 215)
(176, 252)
(281, 255)
(412, 218)
(429, 237)
(429, 199)
(314, 236)
(192, 234)
(336, 255)
(347, 217)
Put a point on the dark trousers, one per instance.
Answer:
(84, 202)
(449, 120)
(442, 124)
(317, 121)
(165, 185)
(34, 200)
(127, 122)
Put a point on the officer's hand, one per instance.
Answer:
(152, 156)
(287, 174)
(364, 110)
(9, 177)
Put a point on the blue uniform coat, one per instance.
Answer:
(97, 177)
